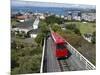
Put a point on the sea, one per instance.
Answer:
(54, 10)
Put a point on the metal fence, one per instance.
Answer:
(41, 69)
(88, 64)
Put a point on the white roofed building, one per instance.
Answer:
(36, 23)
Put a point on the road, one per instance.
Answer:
(52, 63)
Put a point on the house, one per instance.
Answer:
(62, 16)
(22, 18)
(29, 26)
(42, 17)
(36, 23)
(24, 26)
(33, 33)
(65, 18)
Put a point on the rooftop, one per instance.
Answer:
(34, 31)
(25, 25)
(57, 38)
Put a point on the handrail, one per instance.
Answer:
(41, 69)
(88, 64)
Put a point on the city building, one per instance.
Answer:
(88, 16)
(76, 18)
(65, 18)
(69, 17)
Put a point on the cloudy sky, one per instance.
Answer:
(53, 3)
(89, 2)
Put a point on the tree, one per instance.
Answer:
(14, 59)
(13, 45)
(39, 38)
(44, 28)
(53, 19)
(93, 38)
(23, 34)
(77, 31)
(56, 28)
(25, 58)
(71, 26)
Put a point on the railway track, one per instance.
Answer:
(64, 65)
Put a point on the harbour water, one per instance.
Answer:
(54, 10)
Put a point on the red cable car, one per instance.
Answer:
(61, 50)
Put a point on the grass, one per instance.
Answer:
(13, 22)
(85, 27)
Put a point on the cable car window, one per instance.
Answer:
(60, 46)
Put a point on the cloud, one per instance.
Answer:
(47, 4)
(88, 2)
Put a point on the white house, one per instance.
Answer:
(35, 24)
(33, 33)
(20, 29)
(42, 17)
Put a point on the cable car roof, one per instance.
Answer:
(57, 38)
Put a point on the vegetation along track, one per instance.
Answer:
(63, 65)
